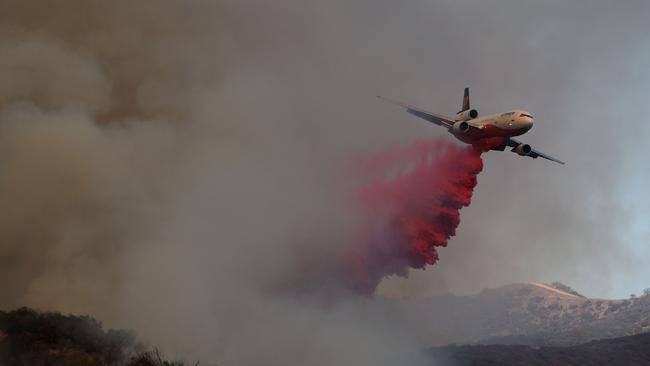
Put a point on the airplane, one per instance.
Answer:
(471, 129)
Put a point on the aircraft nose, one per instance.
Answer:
(529, 123)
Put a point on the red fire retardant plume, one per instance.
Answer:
(411, 206)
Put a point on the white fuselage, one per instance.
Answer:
(509, 124)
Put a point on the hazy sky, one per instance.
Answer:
(580, 68)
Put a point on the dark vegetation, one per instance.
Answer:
(30, 338)
(632, 350)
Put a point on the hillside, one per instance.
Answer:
(626, 351)
(525, 314)
(29, 338)
(530, 313)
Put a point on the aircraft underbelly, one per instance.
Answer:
(488, 131)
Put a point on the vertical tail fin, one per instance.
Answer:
(465, 101)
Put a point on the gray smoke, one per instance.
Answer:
(150, 178)
(176, 166)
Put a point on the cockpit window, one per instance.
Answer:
(526, 115)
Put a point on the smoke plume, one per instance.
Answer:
(140, 187)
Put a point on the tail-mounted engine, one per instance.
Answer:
(466, 115)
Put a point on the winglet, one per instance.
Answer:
(392, 101)
(421, 113)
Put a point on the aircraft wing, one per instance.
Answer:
(533, 153)
(438, 119)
